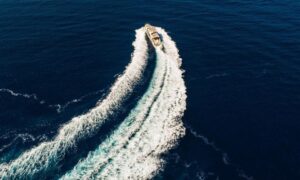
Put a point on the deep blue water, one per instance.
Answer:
(242, 72)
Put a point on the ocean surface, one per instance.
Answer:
(64, 115)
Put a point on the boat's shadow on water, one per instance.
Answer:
(91, 143)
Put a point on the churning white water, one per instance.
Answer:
(133, 150)
(45, 156)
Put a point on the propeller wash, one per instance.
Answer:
(133, 150)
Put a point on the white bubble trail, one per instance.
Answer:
(13, 93)
(59, 107)
(45, 157)
(134, 149)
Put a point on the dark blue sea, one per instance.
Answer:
(242, 76)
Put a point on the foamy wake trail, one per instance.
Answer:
(24, 95)
(23, 137)
(134, 149)
(46, 156)
(59, 107)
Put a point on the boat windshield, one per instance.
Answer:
(155, 35)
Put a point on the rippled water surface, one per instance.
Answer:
(242, 73)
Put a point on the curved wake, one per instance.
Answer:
(133, 150)
(46, 156)
(58, 107)
(11, 92)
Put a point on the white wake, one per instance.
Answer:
(24, 95)
(58, 107)
(46, 156)
(134, 149)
